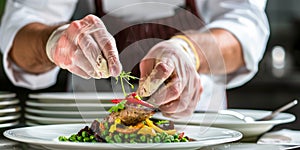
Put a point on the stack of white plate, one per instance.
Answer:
(9, 109)
(61, 108)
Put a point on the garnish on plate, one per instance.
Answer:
(129, 121)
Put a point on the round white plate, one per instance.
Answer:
(230, 122)
(46, 136)
(77, 96)
(9, 102)
(9, 124)
(54, 120)
(67, 114)
(5, 95)
(6, 110)
(9, 117)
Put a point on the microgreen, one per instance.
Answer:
(126, 77)
(162, 122)
(118, 106)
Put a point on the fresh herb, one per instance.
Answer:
(126, 77)
(118, 106)
(162, 122)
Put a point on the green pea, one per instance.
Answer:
(171, 137)
(92, 137)
(106, 125)
(73, 137)
(94, 141)
(79, 138)
(121, 134)
(143, 138)
(84, 134)
(176, 136)
(132, 141)
(176, 140)
(117, 139)
(157, 139)
(167, 141)
(62, 138)
(86, 139)
(104, 133)
(149, 140)
(107, 138)
(184, 140)
(126, 136)
(132, 135)
(164, 135)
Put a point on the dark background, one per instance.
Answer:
(265, 90)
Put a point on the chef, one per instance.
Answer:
(187, 51)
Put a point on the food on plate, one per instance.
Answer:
(129, 121)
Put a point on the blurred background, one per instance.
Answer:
(278, 79)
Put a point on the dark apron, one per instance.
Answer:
(125, 34)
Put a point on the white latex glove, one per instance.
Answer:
(169, 77)
(85, 48)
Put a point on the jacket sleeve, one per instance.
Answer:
(19, 13)
(247, 21)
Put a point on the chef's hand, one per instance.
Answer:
(85, 48)
(170, 78)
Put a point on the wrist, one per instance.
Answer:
(189, 47)
(52, 39)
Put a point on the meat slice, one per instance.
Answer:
(131, 115)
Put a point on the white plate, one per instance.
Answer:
(37, 104)
(78, 97)
(9, 117)
(46, 136)
(230, 122)
(6, 110)
(67, 114)
(54, 120)
(70, 106)
(9, 102)
(5, 95)
(9, 124)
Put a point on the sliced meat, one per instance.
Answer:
(131, 115)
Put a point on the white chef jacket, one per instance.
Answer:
(245, 19)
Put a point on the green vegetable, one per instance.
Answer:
(143, 138)
(157, 139)
(106, 125)
(162, 122)
(126, 77)
(118, 106)
(86, 139)
(92, 137)
(117, 139)
(184, 140)
(84, 134)
(62, 138)
(79, 138)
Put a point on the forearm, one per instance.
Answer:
(219, 51)
(28, 49)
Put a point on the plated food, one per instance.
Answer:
(129, 121)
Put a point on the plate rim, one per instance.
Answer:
(37, 104)
(10, 109)
(236, 136)
(9, 102)
(291, 118)
(58, 112)
(7, 95)
(55, 95)
(54, 119)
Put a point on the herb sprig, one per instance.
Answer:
(126, 77)
(118, 106)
